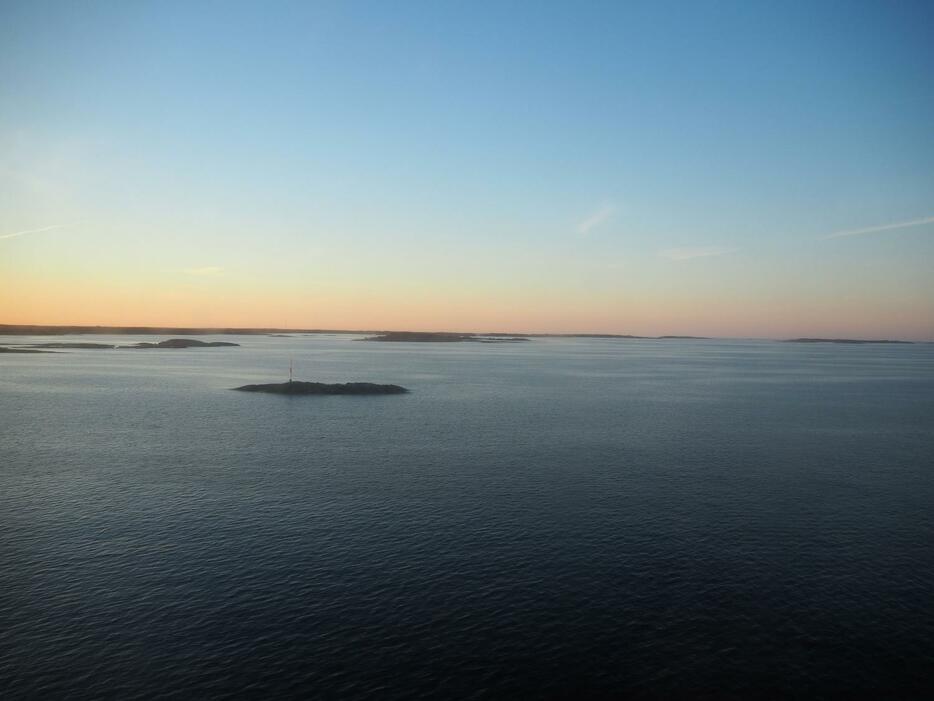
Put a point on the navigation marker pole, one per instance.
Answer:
(290, 371)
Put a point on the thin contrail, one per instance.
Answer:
(32, 231)
(599, 217)
(884, 227)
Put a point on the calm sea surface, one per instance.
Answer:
(589, 518)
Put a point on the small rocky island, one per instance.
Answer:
(183, 343)
(441, 337)
(23, 350)
(841, 340)
(74, 346)
(171, 343)
(296, 387)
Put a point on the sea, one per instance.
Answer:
(559, 518)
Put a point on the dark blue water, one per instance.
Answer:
(589, 518)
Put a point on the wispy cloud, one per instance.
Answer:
(883, 227)
(32, 231)
(601, 216)
(689, 253)
(206, 270)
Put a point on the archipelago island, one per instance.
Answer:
(300, 388)
(3, 349)
(171, 343)
(441, 337)
(841, 340)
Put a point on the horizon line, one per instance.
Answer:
(250, 330)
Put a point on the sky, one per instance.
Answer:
(744, 169)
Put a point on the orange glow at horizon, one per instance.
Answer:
(128, 302)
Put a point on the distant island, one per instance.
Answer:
(296, 387)
(23, 350)
(441, 337)
(840, 340)
(74, 346)
(48, 330)
(171, 343)
(183, 343)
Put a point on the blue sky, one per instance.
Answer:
(633, 167)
